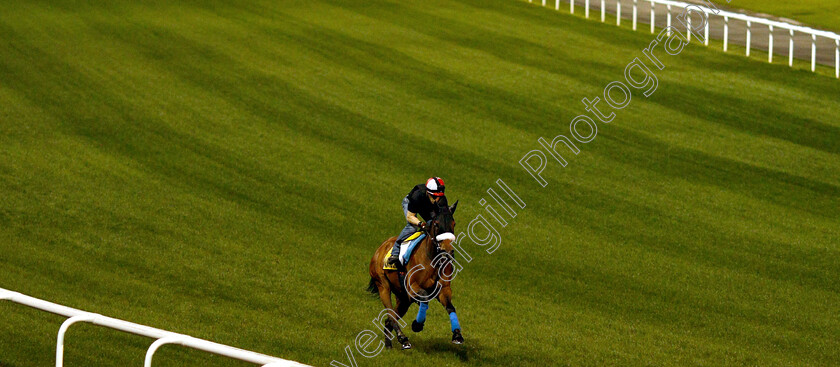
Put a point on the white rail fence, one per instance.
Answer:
(163, 337)
(726, 15)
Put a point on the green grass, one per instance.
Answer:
(816, 13)
(226, 170)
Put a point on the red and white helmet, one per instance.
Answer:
(435, 187)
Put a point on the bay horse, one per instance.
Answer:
(429, 273)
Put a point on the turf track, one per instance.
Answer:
(226, 170)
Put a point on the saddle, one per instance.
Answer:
(406, 249)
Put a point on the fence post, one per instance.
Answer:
(790, 56)
(749, 36)
(725, 33)
(635, 7)
(543, 2)
(175, 339)
(688, 27)
(837, 58)
(669, 20)
(603, 11)
(618, 12)
(813, 52)
(708, 20)
(587, 9)
(556, 4)
(59, 345)
(572, 6)
(770, 46)
(652, 16)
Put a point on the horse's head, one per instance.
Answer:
(443, 227)
(443, 233)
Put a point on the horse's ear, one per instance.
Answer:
(452, 208)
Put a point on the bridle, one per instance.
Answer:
(435, 238)
(436, 229)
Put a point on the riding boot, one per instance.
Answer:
(395, 254)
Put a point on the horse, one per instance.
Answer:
(429, 274)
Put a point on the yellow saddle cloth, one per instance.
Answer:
(403, 249)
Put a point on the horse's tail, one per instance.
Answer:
(372, 287)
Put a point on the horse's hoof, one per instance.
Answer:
(405, 343)
(416, 326)
(457, 338)
(388, 343)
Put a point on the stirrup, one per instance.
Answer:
(391, 265)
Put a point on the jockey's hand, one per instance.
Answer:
(422, 225)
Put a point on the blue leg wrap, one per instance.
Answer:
(453, 318)
(421, 313)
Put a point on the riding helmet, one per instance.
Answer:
(435, 187)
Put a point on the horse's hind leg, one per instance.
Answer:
(387, 331)
(393, 320)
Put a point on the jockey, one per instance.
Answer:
(425, 200)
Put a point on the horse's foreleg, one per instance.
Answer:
(402, 306)
(417, 324)
(445, 298)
